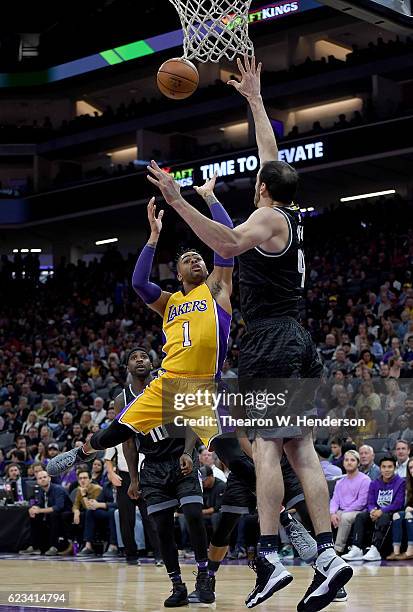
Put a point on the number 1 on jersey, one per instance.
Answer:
(187, 338)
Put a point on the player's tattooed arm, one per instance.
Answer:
(220, 285)
(220, 281)
(210, 199)
(206, 191)
(215, 287)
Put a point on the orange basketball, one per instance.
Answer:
(177, 78)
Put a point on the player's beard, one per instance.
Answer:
(256, 198)
(142, 372)
(198, 277)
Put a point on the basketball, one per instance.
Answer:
(177, 78)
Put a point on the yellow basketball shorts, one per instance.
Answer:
(171, 399)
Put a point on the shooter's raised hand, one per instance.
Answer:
(154, 221)
(207, 189)
(250, 85)
(165, 183)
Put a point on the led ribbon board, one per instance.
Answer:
(301, 154)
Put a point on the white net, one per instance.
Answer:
(214, 28)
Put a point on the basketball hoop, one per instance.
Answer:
(214, 28)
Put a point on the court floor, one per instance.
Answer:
(113, 586)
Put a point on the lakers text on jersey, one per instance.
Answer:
(196, 332)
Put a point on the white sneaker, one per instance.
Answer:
(355, 554)
(372, 555)
(330, 576)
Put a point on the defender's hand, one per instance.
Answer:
(186, 463)
(250, 85)
(165, 183)
(154, 222)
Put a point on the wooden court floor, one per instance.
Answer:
(116, 587)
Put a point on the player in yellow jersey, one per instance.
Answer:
(196, 325)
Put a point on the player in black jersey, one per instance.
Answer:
(272, 274)
(139, 368)
(166, 481)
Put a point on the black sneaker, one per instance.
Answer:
(331, 574)
(195, 597)
(341, 595)
(204, 589)
(132, 561)
(65, 461)
(179, 596)
(271, 577)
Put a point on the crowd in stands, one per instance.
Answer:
(40, 131)
(194, 150)
(63, 342)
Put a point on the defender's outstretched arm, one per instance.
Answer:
(250, 88)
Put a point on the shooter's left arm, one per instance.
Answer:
(223, 267)
(220, 280)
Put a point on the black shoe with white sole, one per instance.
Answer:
(271, 577)
(204, 592)
(179, 596)
(331, 574)
(196, 597)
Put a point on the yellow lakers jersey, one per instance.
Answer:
(196, 331)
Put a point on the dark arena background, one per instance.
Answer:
(80, 119)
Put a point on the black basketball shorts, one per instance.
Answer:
(238, 498)
(275, 354)
(164, 486)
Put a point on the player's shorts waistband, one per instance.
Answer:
(188, 375)
(271, 322)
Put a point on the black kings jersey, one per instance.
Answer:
(156, 445)
(271, 284)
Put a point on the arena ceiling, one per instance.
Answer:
(69, 30)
